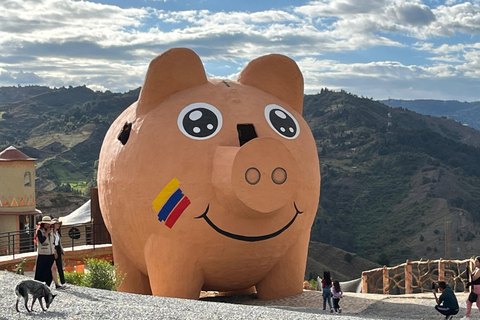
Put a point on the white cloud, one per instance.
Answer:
(340, 7)
(461, 18)
(67, 42)
(5, 77)
(415, 14)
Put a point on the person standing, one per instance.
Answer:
(337, 294)
(327, 291)
(447, 303)
(45, 251)
(58, 264)
(475, 283)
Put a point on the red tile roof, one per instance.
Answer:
(12, 154)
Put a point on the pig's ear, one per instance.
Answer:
(172, 71)
(278, 75)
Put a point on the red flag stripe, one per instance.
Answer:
(181, 206)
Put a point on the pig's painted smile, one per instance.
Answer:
(249, 238)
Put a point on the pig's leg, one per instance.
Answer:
(173, 268)
(286, 278)
(134, 281)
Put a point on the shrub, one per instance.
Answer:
(75, 278)
(383, 259)
(348, 257)
(470, 236)
(102, 275)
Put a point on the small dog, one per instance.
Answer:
(37, 289)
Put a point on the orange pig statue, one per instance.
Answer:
(211, 184)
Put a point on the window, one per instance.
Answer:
(27, 179)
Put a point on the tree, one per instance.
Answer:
(383, 259)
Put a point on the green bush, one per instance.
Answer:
(383, 259)
(102, 275)
(99, 274)
(348, 257)
(75, 278)
(470, 236)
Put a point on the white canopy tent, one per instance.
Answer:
(78, 217)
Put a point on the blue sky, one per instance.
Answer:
(402, 49)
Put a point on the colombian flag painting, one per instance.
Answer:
(170, 203)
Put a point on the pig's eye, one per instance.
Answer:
(200, 121)
(282, 121)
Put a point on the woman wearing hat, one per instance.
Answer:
(46, 251)
(58, 264)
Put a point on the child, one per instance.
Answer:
(327, 292)
(337, 294)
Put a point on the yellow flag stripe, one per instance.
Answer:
(166, 192)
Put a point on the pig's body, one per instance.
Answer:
(245, 204)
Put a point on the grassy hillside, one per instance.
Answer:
(396, 184)
(343, 265)
(63, 128)
(467, 113)
(388, 191)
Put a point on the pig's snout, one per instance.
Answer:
(253, 175)
(263, 174)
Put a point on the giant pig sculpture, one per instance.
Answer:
(212, 184)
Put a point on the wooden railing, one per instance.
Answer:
(417, 276)
(16, 242)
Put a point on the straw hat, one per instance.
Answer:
(47, 220)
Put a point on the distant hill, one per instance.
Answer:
(63, 128)
(343, 265)
(396, 184)
(13, 94)
(394, 187)
(467, 113)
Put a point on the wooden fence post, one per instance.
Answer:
(386, 280)
(364, 282)
(441, 270)
(408, 278)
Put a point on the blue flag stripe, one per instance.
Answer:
(170, 205)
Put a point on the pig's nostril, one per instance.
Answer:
(279, 175)
(252, 175)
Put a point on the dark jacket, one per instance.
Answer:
(448, 298)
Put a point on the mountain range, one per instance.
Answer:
(467, 113)
(396, 184)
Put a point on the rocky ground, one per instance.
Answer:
(411, 306)
(87, 303)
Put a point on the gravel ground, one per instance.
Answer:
(87, 303)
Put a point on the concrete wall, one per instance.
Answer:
(17, 190)
(8, 223)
